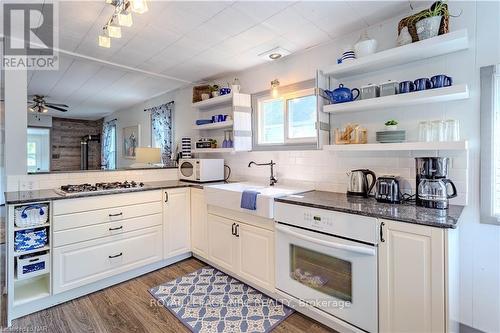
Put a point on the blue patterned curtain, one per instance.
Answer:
(161, 130)
(108, 150)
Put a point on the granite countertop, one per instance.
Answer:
(407, 212)
(21, 197)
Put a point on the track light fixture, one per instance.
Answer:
(122, 17)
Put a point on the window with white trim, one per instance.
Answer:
(490, 144)
(289, 119)
(496, 145)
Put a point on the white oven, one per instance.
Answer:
(201, 170)
(329, 260)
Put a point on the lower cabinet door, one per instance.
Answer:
(256, 255)
(176, 222)
(83, 263)
(222, 245)
(199, 238)
(411, 278)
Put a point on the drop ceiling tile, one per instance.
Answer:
(375, 12)
(204, 9)
(261, 10)
(207, 35)
(306, 36)
(231, 22)
(77, 74)
(285, 20)
(177, 20)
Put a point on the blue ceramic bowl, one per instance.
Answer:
(224, 91)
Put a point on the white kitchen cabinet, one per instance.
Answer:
(256, 255)
(78, 264)
(411, 278)
(176, 222)
(243, 250)
(222, 247)
(199, 237)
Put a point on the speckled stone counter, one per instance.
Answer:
(408, 212)
(21, 197)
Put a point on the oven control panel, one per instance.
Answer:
(331, 222)
(318, 221)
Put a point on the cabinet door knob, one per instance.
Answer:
(233, 230)
(166, 196)
(382, 232)
(116, 255)
(237, 231)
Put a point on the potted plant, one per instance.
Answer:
(428, 21)
(391, 125)
(214, 90)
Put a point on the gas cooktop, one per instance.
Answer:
(98, 187)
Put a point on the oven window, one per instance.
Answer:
(327, 274)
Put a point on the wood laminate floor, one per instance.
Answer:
(126, 307)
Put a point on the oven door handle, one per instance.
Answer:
(350, 248)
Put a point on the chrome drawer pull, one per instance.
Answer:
(117, 228)
(114, 215)
(116, 255)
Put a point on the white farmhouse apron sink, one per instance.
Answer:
(229, 196)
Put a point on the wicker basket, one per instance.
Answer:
(198, 90)
(31, 215)
(408, 22)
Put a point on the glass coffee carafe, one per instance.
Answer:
(434, 192)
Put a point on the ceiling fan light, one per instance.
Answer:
(104, 41)
(114, 31)
(45, 110)
(125, 19)
(139, 6)
(31, 109)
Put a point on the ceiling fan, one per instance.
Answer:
(38, 104)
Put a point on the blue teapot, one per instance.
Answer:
(342, 94)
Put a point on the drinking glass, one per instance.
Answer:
(437, 129)
(424, 131)
(451, 130)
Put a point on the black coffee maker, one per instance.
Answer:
(432, 182)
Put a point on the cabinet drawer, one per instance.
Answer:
(77, 220)
(83, 263)
(76, 205)
(75, 235)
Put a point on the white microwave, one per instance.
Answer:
(201, 170)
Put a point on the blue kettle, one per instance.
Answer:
(342, 94)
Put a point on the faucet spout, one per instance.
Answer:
(272, 179)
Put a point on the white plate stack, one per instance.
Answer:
(186, 147)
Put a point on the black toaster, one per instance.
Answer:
(387, 189)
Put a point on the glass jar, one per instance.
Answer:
(437, 130)
(424, 131)
(452, 130)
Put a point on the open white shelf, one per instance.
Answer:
(45, 248)
(45, 225)
(452, 93)
(213, 150)
(214, 102)
(32, 289)
(212, 126)
(428, 48)
(402, 146)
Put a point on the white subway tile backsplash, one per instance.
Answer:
(327, 170)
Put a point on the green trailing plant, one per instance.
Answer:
(391, 122)
(438, 8)
(213, 87)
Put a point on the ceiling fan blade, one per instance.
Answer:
(56, 108)
(55, 104)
